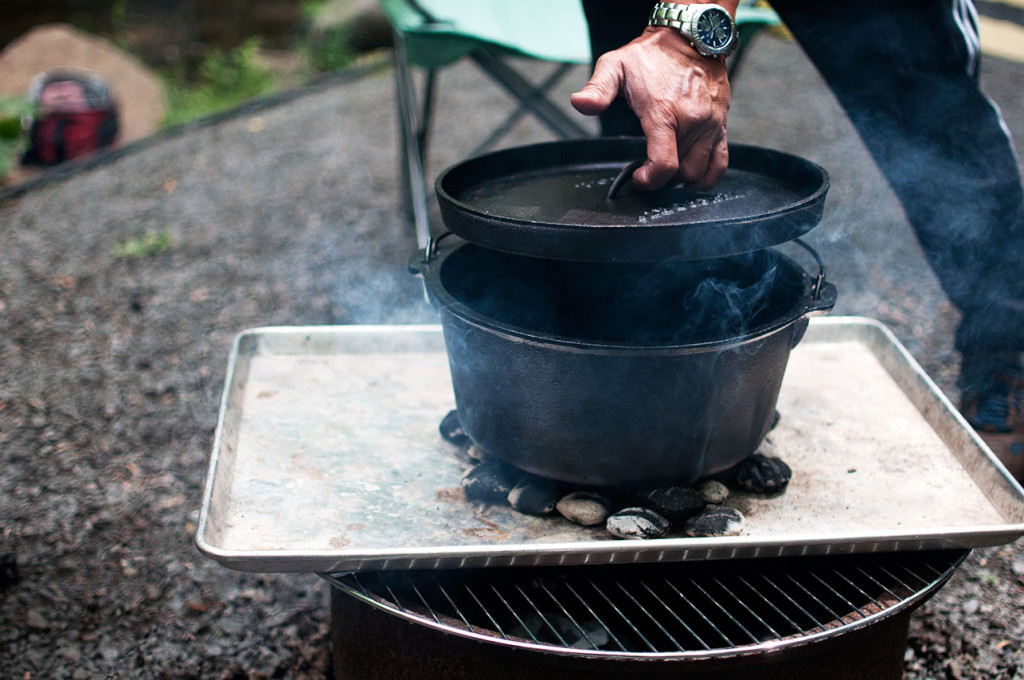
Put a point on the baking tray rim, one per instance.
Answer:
(606, 552)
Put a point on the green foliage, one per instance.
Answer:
(330, 50)
(118, 16)
(311, 8)
(224, 81)
(146, 245)
(13, 138)
(988, 576)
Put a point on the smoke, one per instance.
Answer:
(666, 303)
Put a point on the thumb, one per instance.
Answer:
(597, 94)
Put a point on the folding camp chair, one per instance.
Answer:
(433, 34)
(751, 17)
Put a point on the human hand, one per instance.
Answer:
(681, 98)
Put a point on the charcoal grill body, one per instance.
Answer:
(370, 644)
(837, 617)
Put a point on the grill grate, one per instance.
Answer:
(665, 609)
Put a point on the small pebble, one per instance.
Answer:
(713, 491)
(451, 430)
(534, 495)
(637, 523)
(766, 448)
(675, 503)
(475, 453)
(762, 474)
(716, 520)
(36, 620)
(588, 508)
(489, 482)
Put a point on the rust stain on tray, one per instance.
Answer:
(491, 531)
(451, 494)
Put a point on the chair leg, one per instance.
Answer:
(413, 176)
(426, 113)
(553, 79)
(549, 114)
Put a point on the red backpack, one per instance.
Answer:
(76, 116)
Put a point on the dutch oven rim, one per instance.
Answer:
(809, 304)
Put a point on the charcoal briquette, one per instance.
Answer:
(489, 482)
(715, 520)
(534, 495)
(637, 523)
(763, 474)
(674, 502)
(451, 430)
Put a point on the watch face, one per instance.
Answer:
(714, 28)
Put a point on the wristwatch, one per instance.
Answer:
(709, 28)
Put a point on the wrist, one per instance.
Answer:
(669, 39)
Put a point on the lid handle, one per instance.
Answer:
(621, 178)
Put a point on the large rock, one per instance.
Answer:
(137, 90)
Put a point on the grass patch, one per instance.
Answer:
(331, 50)
(146, 245)
(223, 81)
(13, 138)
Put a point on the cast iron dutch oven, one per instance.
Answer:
(622, 371)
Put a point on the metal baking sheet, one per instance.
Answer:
(327, 458)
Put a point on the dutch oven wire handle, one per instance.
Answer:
(820, 281)
(430, 249)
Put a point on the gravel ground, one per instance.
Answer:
(112, 365)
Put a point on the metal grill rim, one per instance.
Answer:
(661, 610)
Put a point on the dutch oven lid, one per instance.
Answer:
(551, 200)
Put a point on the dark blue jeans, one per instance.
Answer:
(904, 74)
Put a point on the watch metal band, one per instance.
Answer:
(684, 18)
(668, 14)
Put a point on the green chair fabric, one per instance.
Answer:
(439, 32)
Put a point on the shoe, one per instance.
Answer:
(992, 401)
